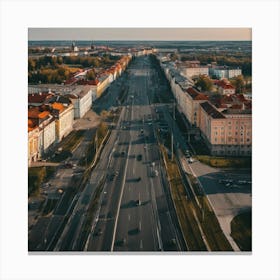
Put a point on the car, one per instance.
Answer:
(113, 175)
(99, 232)
(190, 160)
(139, 157)
(138, 179)
(138, 202)
(123, 153)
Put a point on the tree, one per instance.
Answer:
(204, 83)
(31, 64)
(90, 75)
(239, 83)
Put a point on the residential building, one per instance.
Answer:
(221, 72)
(192, 108)
(228, 132)
(81, 99)
(224, 87)
(42, 118)
(104, 82)
(33, 142)
(64, 118)
(37, 99)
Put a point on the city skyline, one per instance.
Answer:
(144, 34)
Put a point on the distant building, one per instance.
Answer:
(192, 68)
(224, 87)
(74, 48)
(221, 72)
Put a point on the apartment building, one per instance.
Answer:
(46, 123)
(228, 132)
(81, 99)
(64, 118)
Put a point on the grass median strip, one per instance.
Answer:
(183, 206)
(227, 162)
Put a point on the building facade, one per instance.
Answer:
(228, 132)
(64, 118)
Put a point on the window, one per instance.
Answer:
(248, 140)
(229, 133)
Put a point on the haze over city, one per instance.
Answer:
(164, 34)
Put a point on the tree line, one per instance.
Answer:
(48, 69)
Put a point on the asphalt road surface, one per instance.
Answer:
(135, 213)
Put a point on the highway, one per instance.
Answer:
(135, 214)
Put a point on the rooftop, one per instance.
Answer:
(196, 95)
(211, 111)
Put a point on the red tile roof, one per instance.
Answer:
(196, 95)
(35, 113)
(39, 97)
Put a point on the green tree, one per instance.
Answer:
(204, 83)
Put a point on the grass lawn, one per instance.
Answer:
(227, 162)
(241, 230)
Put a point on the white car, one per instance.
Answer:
(190, 160)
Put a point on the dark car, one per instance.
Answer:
(139, 157)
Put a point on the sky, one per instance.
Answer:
(153, 34)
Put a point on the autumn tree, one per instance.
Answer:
(239, 83)
(204, 83)
(90, 75)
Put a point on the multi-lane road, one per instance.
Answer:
(135, 211)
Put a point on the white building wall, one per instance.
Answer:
(85, 103)
(66, 120)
